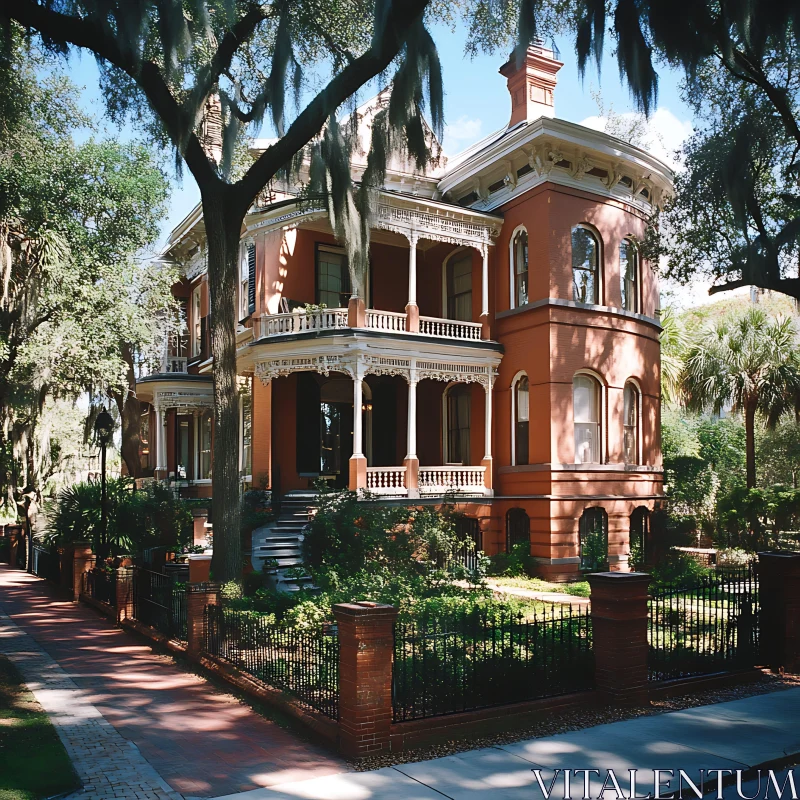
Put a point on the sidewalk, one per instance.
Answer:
(135, 724)
(729, 736)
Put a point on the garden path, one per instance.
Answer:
(135, 723)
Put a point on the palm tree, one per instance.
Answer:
(674, 342)
(747, 362)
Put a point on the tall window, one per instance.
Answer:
(518, 528)
(630, 424)
(247, 431)
(585, 266)
(333, 278)
(457, 404)
(521, 420)
(196, 330)
(459, 287)
(520, 251)
(204, 444)
(593, 533)
(629, 275)
(586, 416)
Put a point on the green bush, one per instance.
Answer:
(150, 517)
(512, 565)
(754, 519)
(679, 569)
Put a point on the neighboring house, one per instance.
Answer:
(507, 351)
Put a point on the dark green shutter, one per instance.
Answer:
(251, 279)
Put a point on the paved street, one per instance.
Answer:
(136, 725)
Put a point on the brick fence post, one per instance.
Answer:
(779, 593)
(198, 596)
(82, 561)
(124, 590)
(366, 648)
(619, 635)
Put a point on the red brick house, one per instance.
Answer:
(506, 349)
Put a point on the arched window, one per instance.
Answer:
(457, 413)
(586, 416)
(519, 249)
(639, 535)
(521, 390)
(629, 275)
(593, 532)
(630, 424)
(458, 279)
(585, 266)
(518, 528)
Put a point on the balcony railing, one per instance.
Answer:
(387, 481)
(387, 321)
(458, 480)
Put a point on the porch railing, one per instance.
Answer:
(389, 321)
(449, 328)
(386, 481)
(174, 364)
(386, 321)
(298, 322)
(441, 480)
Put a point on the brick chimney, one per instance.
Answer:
(531, 86)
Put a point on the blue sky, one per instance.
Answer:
(476, 103)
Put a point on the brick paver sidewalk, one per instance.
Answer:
(201, 741)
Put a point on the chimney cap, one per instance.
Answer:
(532, 83)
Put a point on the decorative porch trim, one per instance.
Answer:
(453, 227)
(182, 400)
(265, 371)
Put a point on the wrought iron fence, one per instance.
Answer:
(303, 661)
(102, 586)
(711, 625)
(46, 565)
(160, 603)
(462, 662)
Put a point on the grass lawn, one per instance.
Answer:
(577, 589)
(33, 762)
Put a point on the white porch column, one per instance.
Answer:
(487, 458)
(411, 461)
(161, 440)
(485, 293)
(412, 309)
(358, 462)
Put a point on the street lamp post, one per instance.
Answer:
(104, 430)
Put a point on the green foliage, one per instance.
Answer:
(256, 509)
(136, 519)
(758, 519)
(678, 569)
(514, 564)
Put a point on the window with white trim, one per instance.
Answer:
(586, 417)
(459, 287)
(196, 330)
(630, 424)
(521, 419)
(457, 412)
(629, 275)
(520, 251)
(585, 266)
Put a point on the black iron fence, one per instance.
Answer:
(467, 661)
(102, 586)
(711, 625)
(303, 661)
(160, 602)
(46, 565)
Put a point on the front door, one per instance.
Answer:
(336, 442)
(183, 449)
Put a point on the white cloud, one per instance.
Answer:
(663, 132)
(463, 132)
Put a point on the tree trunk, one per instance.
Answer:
(750, 436)
(130, 414)
(223, 229)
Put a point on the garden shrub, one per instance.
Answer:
(678, 569)
(514, 564)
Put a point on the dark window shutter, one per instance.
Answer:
(251, 279)
(308, 442)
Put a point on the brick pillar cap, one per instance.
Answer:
(614, 577)
(363, 608)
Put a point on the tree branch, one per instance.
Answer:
(400, 19)
(788, 286)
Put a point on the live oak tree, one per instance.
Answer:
(73, 218)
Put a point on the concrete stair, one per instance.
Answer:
(282, 541)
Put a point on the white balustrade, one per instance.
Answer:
(449, 328)
(386, 321)
(458, 480)
(324, 319)
(387, 481)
